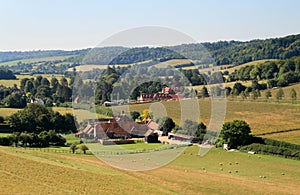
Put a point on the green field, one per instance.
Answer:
(44, 173)
(5, 134)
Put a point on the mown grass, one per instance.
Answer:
(132, 147)
(42, 172)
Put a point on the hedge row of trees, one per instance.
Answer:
(37, 118)
(254, 91)
(278, 73)
(274, 147)
(42, 139)
(50, 92)
(6, 74)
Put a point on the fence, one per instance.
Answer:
(88, 152)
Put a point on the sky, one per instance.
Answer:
(76, 24)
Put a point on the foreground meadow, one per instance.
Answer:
(219, 172)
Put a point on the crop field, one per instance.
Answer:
(33, 172)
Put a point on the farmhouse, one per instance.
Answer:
(118, 127)
(166, 94)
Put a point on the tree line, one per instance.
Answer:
(39, 88)
(277, 73)
(6, 74)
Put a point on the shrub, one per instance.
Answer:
(6, 141)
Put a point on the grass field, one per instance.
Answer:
(262, 116)
(32, 172)
(292, 137)
(80, 114)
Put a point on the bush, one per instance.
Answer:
(6, 141)
(44, 139)
(1, 119)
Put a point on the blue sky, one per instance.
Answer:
(74, 24)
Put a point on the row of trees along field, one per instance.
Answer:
(254, 91)
(39, 126)
(53, 91)
(6, 74)
(277, 73)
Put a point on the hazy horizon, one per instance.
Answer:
(72, 25)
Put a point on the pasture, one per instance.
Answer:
(31, 172)
(262, 116)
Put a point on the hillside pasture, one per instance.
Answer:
(43, 172)
(262, 116)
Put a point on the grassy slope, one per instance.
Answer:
(73, 174)
(257, 62)
(262, 117)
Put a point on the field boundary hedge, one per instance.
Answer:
(273, 147)
(279, 131)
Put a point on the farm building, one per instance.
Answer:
(180, 137)
(166, 94)
(119, 127)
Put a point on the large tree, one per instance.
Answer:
(167, 125)
(235, 133)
